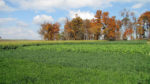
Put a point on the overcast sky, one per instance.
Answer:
(21, 19)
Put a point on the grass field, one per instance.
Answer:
(74, 62)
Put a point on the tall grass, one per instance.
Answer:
(76, 62)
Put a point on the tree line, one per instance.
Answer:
(102, 27)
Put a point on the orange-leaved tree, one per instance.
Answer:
(87, 29)
(73, 30)
(50, 31)
(111, 33)
(97, 25)
(68, 31)
(144, 21)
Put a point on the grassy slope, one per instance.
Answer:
(82, 63)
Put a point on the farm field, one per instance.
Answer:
(74, 62)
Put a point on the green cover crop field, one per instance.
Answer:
(74, 62)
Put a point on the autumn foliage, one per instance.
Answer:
(50, 31)
(101, 27)
(144, 24)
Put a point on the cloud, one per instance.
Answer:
(21, 24)
(82, 14)
(4, 7)
(51, 5)
(46, 5)
(18, 33)
(139, 5)
(39, 19)
(134, 1)
(62, 20)
(12, 21)
(6, 20)
(18, 30)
